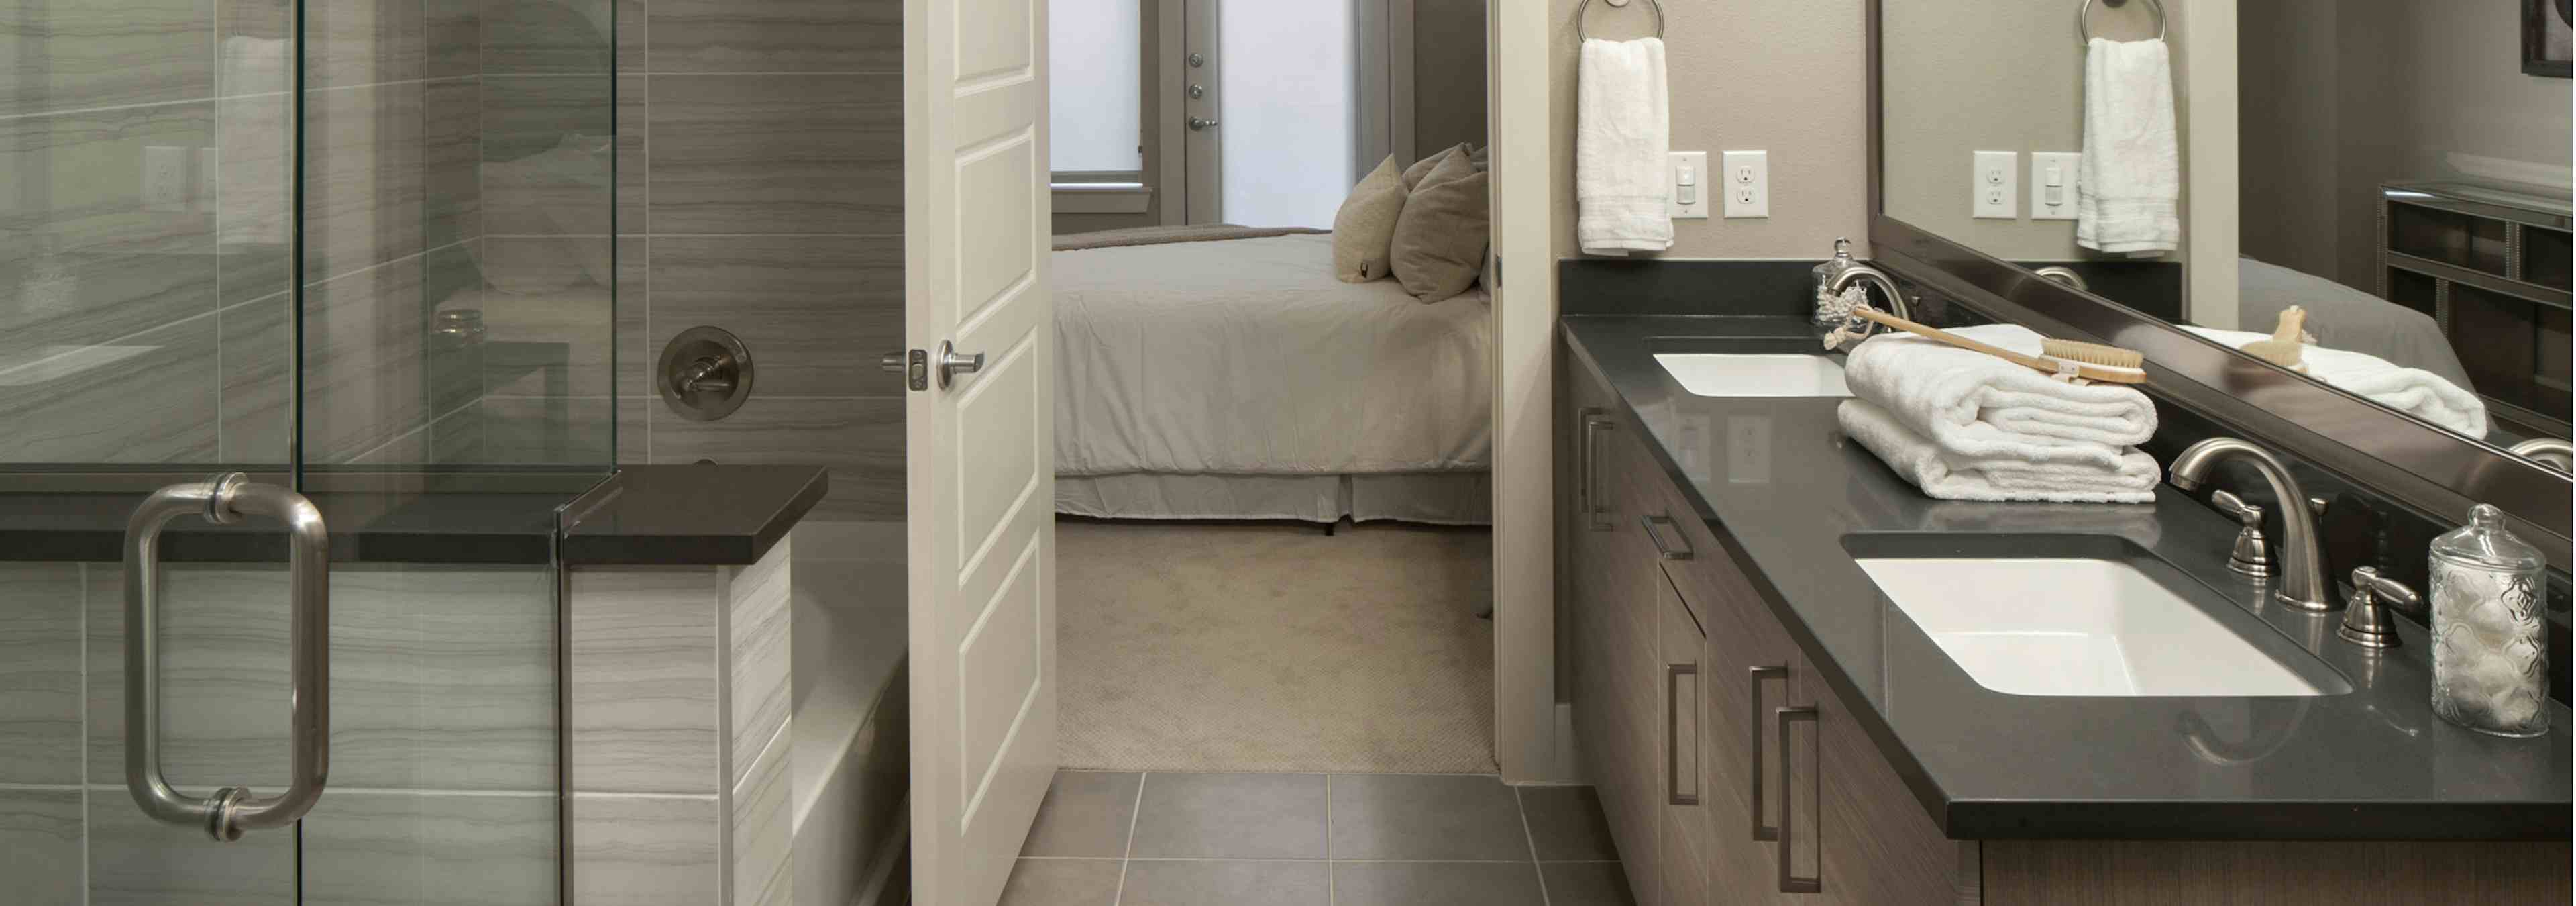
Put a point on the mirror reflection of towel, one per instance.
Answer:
(2128, 192)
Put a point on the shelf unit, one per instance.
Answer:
(2490, 262)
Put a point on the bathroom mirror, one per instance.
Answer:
(2385, 166)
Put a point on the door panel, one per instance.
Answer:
(979, 469)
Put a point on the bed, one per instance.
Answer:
(1223, 373)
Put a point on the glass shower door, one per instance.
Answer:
(358, 252)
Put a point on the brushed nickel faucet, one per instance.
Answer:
(2303, 579)
(1886, 284)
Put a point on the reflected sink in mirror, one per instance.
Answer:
(1734, 374)
(2089, 625)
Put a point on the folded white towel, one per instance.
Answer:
(2413, 391)
(2131, 175)
(1622, 138)
(2130, 477)
(1981, 408)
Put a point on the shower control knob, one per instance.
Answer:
(1199, 125)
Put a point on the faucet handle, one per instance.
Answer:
(2252, 556)
(2366, 622)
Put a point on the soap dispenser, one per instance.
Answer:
(1830, 311)
(2490, 654)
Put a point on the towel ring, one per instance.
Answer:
(1658, 9)
(2083, 31)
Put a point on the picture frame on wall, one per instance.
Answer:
(2547, 44)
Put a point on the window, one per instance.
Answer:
(1290, 110)
(1098, 90)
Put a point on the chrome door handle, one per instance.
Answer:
(1672, 734)
(1790, 882)
(1200, 125)
(225, 499)
(1762, 831)
(953, 363)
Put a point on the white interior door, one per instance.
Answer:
(978, 449)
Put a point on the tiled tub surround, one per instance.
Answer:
(709, 768)
(443, 744)
(145, 329)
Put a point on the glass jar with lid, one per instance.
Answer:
(2490, 650)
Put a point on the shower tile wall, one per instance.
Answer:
(761, 191)
(462, 656)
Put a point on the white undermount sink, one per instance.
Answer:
(1729, 374)
(2082, 627)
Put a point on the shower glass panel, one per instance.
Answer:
(360, 251)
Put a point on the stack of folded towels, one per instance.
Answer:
(1964, 425)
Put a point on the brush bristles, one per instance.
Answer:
(2093, 353)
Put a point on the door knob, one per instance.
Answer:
(1197, 60)
(1197, 125)
(953, 363)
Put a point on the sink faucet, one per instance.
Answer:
(1886, 284)
(2303, 580)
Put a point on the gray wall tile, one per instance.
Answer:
(777, 154)
(455, 37)
(453, 280)
(547, 430)
(253, 238)
(40, 674)
(362, 193)
(142, 399)
(757, 684)
(409, 849)
(860, 440)
(545, 171)
(633, 31)
(136, 861)
(81, 55)
(764, 838)
(94, 259)
(647, 850)
(549, 316)
(635, 357)
(523, 37)
(815, 311)
(645, 691)
(259, 347)
(363, 42)
(777, 36)
(365, 361)
(442, 677)
(634, 153)
(41, 836)
(258, 61)
(451, 161)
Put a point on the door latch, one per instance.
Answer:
(913, 364)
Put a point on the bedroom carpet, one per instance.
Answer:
(1248, 648)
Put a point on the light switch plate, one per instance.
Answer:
(1745, 181)
(1689, 202)
(165, 178)
(1994, 185)
(2058, 204)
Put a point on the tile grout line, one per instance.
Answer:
(1536, 867)
(1332, 887)
(82, 574)
(1127, 856)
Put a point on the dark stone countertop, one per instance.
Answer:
(2372, 763)
(703, 515)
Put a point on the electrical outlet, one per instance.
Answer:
(1746, 176)
(1994, 185)
(2052, 184)
(165, 178)
(1691, 185)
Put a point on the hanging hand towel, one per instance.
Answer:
(2131, 177)
(2129, 477)
(1622, 136)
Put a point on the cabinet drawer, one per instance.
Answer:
(1682, 765)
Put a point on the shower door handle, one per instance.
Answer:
(226, 499)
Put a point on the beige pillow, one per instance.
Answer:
(1413, 175)
(1441, 235)
(1365, 225)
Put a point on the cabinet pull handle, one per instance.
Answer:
(1789, 880)
(1673, 773)
(1593, 472)
(1669, 553)
(1753, 716)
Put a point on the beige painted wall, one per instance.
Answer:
(2342, 95)
(1448, 74)
(1995, 75)
(1746, 75)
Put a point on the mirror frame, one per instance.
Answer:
(2426, 468)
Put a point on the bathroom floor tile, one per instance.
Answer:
(1231, 816)
(1213, 883)
(1435, 884)
(1063, 882)
(1586, 884)
(1418, 817)
(1566, 824)
(1086, 814)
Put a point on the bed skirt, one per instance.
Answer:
(1435, 498)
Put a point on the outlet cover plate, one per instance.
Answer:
(1994, 183)
(1745, 180)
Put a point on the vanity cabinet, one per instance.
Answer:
(1713, 744)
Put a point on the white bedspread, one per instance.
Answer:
(1246, 356)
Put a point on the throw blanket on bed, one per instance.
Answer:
(1163, 235)
(1248, 357)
